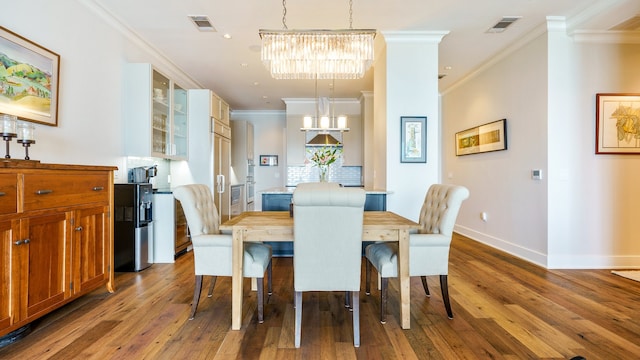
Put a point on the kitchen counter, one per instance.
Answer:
(290, 189)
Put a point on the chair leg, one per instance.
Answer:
(444, 286)
(269, 277)
(367, 290)
(211, 286)
(298, 305)
(347, 300)
(383, 300)
(356, 318)
(260, 300)
(424, 285)
(196, 296)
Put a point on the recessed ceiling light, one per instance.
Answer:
(227, 36)
(202, 22)
(255, 83)
(244, 65)
(447, 67)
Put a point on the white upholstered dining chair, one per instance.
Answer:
(328, 222)
(212, 250)
(428, 249)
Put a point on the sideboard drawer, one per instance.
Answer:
(8, 193)
(45, 191)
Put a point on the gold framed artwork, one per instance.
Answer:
(29, 77)
(618, 124)
(484, 138)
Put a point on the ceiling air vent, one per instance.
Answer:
(503, 24)
(202, 22)
(631, 24)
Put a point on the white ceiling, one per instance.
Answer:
(217, 63)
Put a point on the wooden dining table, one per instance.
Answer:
(278, 226)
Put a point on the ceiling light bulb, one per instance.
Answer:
(324, 122)
(307, 122)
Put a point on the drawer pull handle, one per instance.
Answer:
(98, 188)
(79, 228)
(2, 193)
(20, 242)
(44, 192)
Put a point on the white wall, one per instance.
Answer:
(593, 199)
(411, 89)
(92, 54)
(500, 184)
(269, 128)
(582, 214)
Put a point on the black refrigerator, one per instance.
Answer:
(133, 226)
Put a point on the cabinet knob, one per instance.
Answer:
(98, 188)
(2, 193)
(20, 242)
(79, 228)
(44, 192)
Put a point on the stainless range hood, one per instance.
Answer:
(324, 140)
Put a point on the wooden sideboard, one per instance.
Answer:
(56, 231)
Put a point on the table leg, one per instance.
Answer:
(405, 280)
(236, 279)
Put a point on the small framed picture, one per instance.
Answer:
(268, 160)
(413, 134)
(617, 124)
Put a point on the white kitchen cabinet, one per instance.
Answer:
(296, 150)
(243, 146)
(352, 147)
(155, 114)
(170, 228)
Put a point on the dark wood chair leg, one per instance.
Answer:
(212, 285)
(444, 286)
(384, 285)
(269, 277)
(347, 300)
(367, 277)
(196, 296)
(425, 286)
(260, 282)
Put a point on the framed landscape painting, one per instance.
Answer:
(484, 138)
(617, 123)
(29, 76)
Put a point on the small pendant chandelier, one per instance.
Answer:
(317, 54)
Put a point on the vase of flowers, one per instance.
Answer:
(323, 157)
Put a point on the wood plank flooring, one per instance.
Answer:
(504, 308)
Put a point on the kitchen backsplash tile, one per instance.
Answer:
(345, 175)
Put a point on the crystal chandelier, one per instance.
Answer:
(317, 54)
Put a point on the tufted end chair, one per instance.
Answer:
(428, 249)
(328, 222)
(212, 250)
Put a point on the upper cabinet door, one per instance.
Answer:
(155, 114)
(161, 116)
(180, 145)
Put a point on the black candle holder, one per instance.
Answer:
(26, 144)
(7, 138)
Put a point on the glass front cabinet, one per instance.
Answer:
(156, 114)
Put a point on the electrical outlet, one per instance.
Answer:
(483, 216)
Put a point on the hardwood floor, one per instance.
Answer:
(504, 308)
